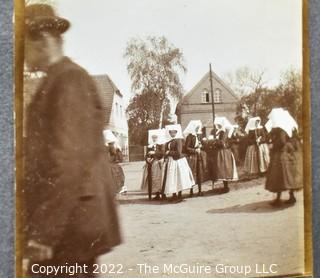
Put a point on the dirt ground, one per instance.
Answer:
(238, 229)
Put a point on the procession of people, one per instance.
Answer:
(72, 166)
(178, 162)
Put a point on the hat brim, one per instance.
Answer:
(47, 23)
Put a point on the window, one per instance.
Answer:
(205, 97)
(217, 96)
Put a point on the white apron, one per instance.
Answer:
(178, 176)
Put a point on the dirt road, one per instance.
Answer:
(227, 233)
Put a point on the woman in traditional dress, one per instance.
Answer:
(115, 156)
(210, 149)
(234, 137)
(257, 155)
(195, 155)
(178, 175)
(285, 170)
(152, 174)
(225, 165)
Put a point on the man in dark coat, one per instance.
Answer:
(69, 215)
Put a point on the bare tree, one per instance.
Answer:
(287, 94)
(245, 80)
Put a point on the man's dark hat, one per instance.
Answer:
(41, 17)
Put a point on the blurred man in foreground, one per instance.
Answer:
(69, 215)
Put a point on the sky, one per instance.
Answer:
(260, 34)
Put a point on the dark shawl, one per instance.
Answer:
(159, 152)
(175, 148)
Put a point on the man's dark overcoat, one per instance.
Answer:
(67, 193)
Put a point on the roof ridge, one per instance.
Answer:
(225, 85)
(196, 86)
(113, 85)
(207, 75)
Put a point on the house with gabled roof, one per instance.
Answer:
(197, 103)
(115, 107)
(112, 101)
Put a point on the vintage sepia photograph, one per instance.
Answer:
(162, 138)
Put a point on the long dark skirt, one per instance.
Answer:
(197, 164)
(285, 171)
(257, 159)
(225, 165)
(211, 166)
(155, 170)
(235, 151)
(117, 175)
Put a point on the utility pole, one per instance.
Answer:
(212, 100)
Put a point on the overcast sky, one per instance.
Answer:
(260, 34)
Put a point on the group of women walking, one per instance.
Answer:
(179, 161)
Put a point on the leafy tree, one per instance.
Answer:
(154, 66)
(144, 114)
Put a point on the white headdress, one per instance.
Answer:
(291, 120)
(275, 113)
(160, 133)
(109, 137)
(251, 125)
(231, 129)
(223, 122)
(282, 119)
(176, 127)
(192, 126)
(268, 125)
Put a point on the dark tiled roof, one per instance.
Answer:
(105, 86)
(107, 90)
